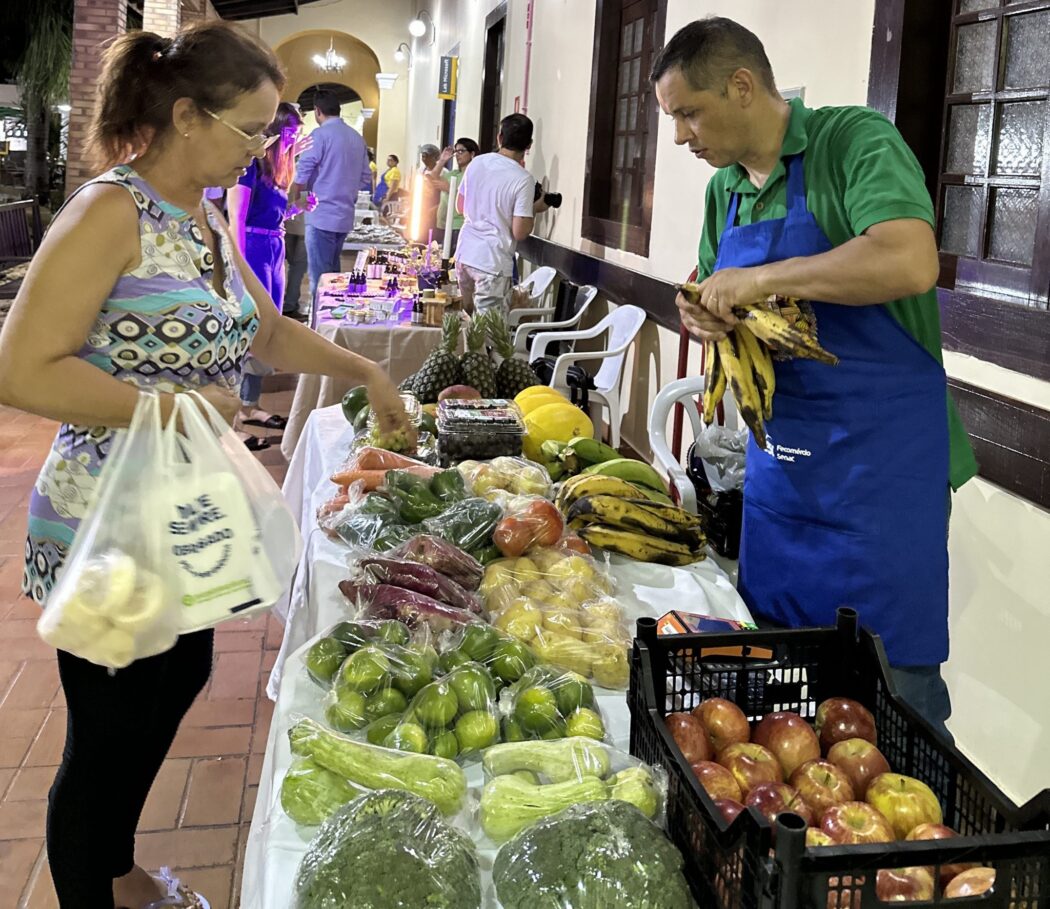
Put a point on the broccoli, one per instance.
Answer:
(590, 857)
(388, 850)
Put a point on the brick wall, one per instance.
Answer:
(162, 16)
(94, 23)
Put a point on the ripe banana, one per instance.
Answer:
(670, 513)
(639, 546)
(742, 381)
(782, 337)
(624, 515)
(593, 485)
(690, 291)
(762, 364)
(637, 472)
(714, 381)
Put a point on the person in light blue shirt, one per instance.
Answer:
(334, 168)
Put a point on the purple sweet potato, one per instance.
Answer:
(422, 579)
(442, 556)
(385, 601)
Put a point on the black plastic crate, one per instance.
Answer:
(734, 866)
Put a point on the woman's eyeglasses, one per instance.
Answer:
(256, 144)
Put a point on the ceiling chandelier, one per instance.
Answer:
(330, 61)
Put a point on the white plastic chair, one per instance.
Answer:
(623, 325)
(538, 285)
(684, 390)
(584, 297)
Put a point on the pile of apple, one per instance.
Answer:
(831, 774)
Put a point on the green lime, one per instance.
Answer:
(360, 423)
(365, 670)
(347, 712)
(410, 673)
(572, 692)
(394, 631)
(510, 659)
(445, 744)
(512, 731)
(381, 728)
(428, 653)
(536, 709)
(476, 730)
(385, 702)
(479, 640)
(427, 423)
(435, 705)
(586, 722)
(450, 659)
(557, 731)
(352, 635)
(407, 737)
(473, 687)
(323, 660)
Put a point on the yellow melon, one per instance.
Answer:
(561, 422)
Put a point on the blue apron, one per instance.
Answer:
(847, 505)
(381, 189)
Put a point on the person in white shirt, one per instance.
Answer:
(498, 201)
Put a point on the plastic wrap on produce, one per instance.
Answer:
(589, 856)
(561, 604)
(386, 601)
(468, 524)
(439, 554)
(369, 466)
(550, 703)
(388, 850)
(506, 476)
(526, 782)
(439, 780)
(422, 579)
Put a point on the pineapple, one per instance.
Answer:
(475, 366)
(513, 376)
(441, 367)
(408, 384)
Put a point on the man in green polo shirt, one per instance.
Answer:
(847, 504)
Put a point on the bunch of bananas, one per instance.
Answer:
(614, 514)
(743, 360)
(570, 458)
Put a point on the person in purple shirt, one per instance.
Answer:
(334, 169)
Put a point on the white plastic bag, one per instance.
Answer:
(723, 452)
(231, 539)
(114, 602)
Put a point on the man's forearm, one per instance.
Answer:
(863, 271)
(294, 192)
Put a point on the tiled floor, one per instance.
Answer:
(196, 819)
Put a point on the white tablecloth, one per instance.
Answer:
(275, 844)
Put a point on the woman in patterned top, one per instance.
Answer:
(138, 285)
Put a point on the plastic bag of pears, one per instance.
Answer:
(561, 604)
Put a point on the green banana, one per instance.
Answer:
(742, 381)
(762, 364)
(639, 546)
(552, 449)
(622, 514)
(590, 451)
(782, 337)
(714, 381)
(637, 472)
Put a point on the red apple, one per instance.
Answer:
(904, 885)
(729, 808)
(789, 737)
(817, 837)
(821, 785)
(856, 822)
(690, 736)
(904, 801)
(751, 764)
(718, 781)
(860, 760)
(772, 799)
(725, 723)
(940, 832)
(973, 882)
(839, 719)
